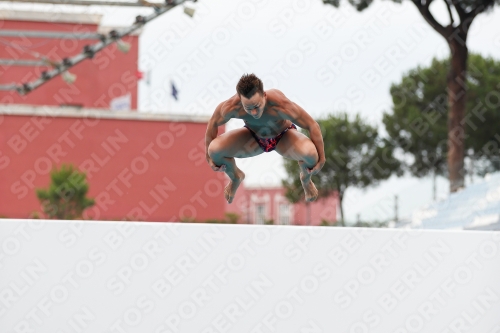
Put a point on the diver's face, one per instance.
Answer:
(254, 105)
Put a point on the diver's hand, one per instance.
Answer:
(317, 168)
(215, 167)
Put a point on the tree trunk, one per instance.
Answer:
(434, 194)
(457, 103)
(308, 213)
(456, 37)
(341, 197)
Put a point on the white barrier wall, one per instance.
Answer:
(115, 277)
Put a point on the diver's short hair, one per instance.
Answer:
(248, 85)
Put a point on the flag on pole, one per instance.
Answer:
(146, 76)
(174, 90)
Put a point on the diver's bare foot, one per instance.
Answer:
(309, 188)
(230, 190)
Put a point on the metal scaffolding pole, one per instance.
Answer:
(22, 62)
(98, 3)
(7, 87)
(49, 34)
(90, 50)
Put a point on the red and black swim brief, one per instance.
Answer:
(269, 145)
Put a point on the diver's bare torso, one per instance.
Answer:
(273, 120)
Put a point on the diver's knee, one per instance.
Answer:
(214, 149)
(310, 154)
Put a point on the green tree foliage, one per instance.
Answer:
(461, 14)
(355, 156)
(374, 224)
(465, 8)
(65, 199)
(325, 223)
(230, 218)
(418, 122)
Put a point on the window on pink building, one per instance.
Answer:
(284, 211)
(260, 213)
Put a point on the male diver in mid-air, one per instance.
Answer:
(269, 119)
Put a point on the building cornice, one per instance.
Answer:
(74, 112)
(55, 17)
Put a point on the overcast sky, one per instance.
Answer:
(324, 58)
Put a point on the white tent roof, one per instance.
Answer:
(475, 207)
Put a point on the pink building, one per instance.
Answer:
(109, 76)
(127, 157)
(130, 171)
(256, 205)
